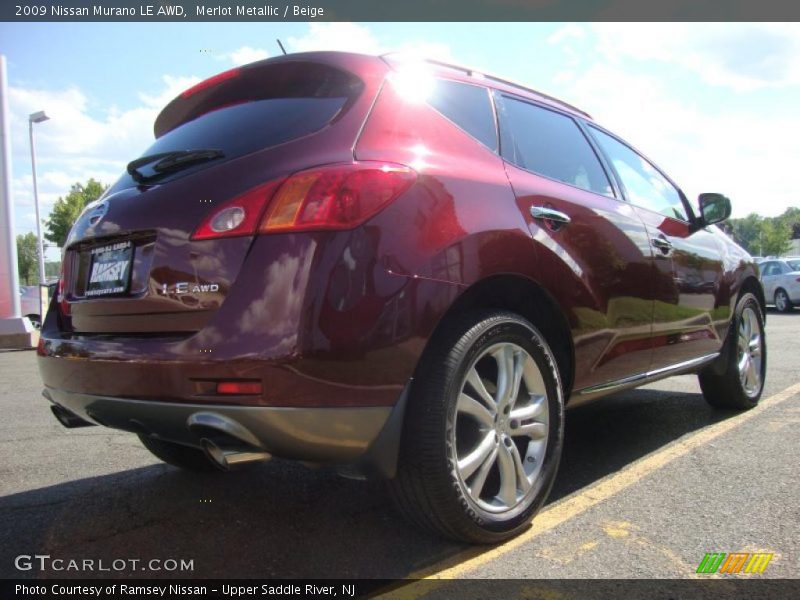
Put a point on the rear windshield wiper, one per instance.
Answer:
(168, 162)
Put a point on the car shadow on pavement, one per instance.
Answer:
(281, 519)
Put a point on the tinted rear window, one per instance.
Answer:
(469, 107)
(244, 128)
(264, 106)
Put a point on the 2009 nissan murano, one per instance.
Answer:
(406, 270)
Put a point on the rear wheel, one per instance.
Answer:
(483, 431)
(782, 302)
(177, 455)
(739, 382)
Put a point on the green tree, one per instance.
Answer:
(27, 258)
(776, 237)
(52, 268)
(746, 231)
(67, 210)
(791, 216)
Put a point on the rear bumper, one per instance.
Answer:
(318, 435)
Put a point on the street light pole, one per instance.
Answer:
(37, 117)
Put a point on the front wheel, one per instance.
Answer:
(738, 382)
(483, 431)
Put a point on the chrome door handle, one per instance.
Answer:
(550, 214)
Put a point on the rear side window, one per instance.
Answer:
(644, 184)
(550, 144)
(469, 107)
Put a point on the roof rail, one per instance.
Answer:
(470, 72)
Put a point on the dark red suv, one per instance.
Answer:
(407, 270)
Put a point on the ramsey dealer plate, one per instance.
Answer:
(110, 269)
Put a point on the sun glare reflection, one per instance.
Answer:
(414, 83)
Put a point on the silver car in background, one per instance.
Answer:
(29, 304)
(781, 280)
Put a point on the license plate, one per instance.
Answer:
(110, 269)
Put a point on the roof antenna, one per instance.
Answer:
(281, 45)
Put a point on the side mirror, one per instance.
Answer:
(714, 208)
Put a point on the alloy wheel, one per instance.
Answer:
(750, 352)
(501, 428)
(781, 301)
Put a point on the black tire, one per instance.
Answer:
(721, 383)
(782, 302)
(178, 455)
(428, 488)
(35, 321)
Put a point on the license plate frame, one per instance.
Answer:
(110, 268)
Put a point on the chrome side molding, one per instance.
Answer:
(604, 389)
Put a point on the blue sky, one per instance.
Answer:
(715, 105)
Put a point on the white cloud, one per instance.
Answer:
(567, 32)
(245, 55)
(171, 88)
(740, 56)
(77, 143)
(421, 50)
(344, 37)
(351, 37)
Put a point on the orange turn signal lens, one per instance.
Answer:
(336, 196)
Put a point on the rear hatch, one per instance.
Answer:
(131, 264)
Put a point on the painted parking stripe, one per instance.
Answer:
(553, 516)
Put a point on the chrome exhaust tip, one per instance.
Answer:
(68, 418)
(231, 458)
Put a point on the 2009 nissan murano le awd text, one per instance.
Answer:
(406, 270)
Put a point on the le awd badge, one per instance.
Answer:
(185, 287)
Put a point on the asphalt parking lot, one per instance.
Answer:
(651, 480)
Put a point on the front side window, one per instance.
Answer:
(550, 144)
(644, 184)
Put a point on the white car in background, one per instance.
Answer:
(29, 304)
(781, 280)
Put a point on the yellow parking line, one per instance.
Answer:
(553, 516)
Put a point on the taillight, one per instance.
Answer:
(331, 197)
(61, 289)
(239, 388)
(237, 217)
(335, 197)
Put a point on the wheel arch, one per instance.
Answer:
(753, 285)
(527, 298)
